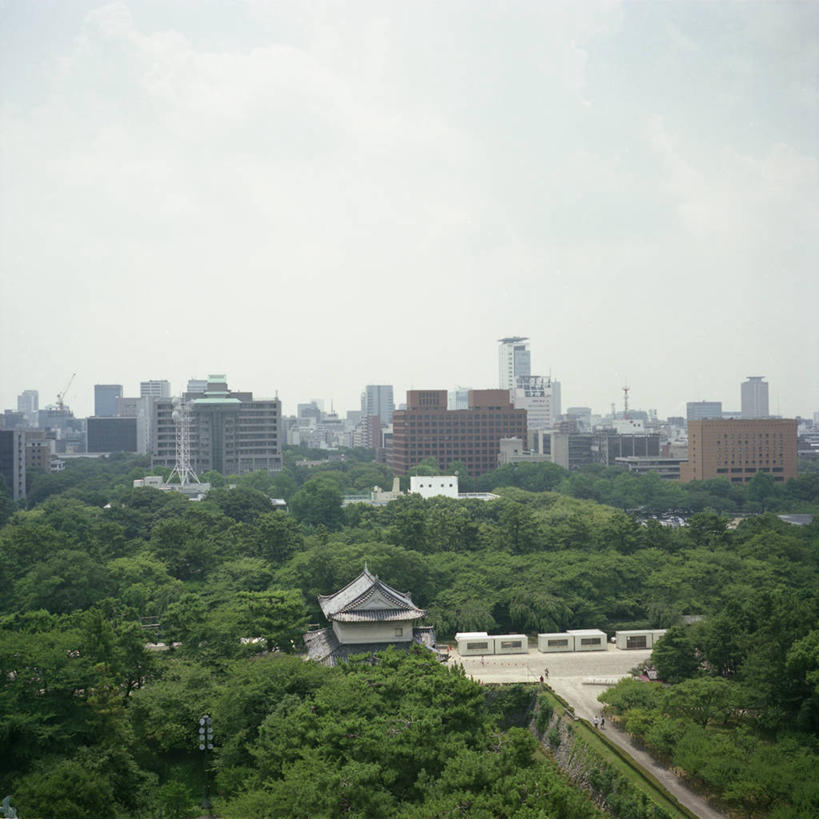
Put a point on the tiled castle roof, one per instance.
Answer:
(369, 600)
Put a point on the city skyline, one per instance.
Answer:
(312, 200)
(76, 402)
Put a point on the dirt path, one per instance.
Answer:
(579, 678)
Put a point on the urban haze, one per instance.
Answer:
(310, 198)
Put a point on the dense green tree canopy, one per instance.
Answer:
(94, 723)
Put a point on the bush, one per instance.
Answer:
(544, 714)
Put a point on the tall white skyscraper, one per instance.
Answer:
(377, 399)
(755, 397)
(514, 359)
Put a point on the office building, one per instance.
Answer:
(13, 462)
(377, 400)
(608, 445)
(458, 398)
(156, 389)
(105, 399)
(582, 417)
(39, 450)
(427, 429)
(571, 450)
(700, 410)
(540, 397)
(754, 395)
(197, 385)
(111, 434)
(230, 432)
(514, 359)
(13, 420)
(28, 402)
(737, 450)
(666, 468)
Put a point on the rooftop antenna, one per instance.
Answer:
(182, 420)
(625, 401)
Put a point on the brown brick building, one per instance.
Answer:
(737, 450)
(427, 429)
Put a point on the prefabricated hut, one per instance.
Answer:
(510, 643)
(555, 641)
(641, 638)
(589, 639)
(473, 643)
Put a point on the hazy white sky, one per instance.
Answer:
(310, 197)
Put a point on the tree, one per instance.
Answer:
(241, 503)
(277, 615)
(276, 537)
(318, 502)
(675, 656)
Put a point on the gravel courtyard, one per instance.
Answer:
(579, 677)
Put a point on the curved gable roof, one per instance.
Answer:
(368, 599)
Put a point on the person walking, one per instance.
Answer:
(602, 721)
(595, 720)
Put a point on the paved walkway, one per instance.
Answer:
(579, 677)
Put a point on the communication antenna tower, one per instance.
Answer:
(625, 402)
(182, 419)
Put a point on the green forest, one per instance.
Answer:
(94, 724)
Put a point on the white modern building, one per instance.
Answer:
(28, 402)
(160, 388)
(431, 486)
(754, 394)
(540, 397)
(514, 359)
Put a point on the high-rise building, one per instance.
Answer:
(540, 397)
(230, 432)
(427, 429)
(458, 398)
(155, 389)
(105, 399)
(377, 400)
(737, 450)
(13, 461)
(514, 359)
(699, 410)
(28, 402)
(111, 434)
(754, 393)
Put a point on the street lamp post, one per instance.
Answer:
(205, 745)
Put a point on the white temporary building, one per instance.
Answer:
(639, 638)
(555, 641)
(510, 643)
(474, 642)
(589, 639)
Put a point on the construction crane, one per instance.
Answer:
(61, 395)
